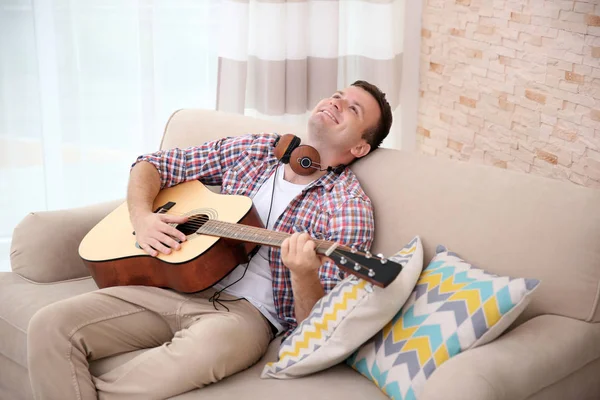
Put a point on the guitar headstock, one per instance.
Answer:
(375, 269)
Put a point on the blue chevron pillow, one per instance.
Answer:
(345, 318)
(454, 307)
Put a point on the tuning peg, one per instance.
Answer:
(353, 249)
(368, 254)
(343, 260)
(371, 273)
(382, 258)
(356, 266)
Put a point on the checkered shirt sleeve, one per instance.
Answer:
(352, 225)
(206, 162)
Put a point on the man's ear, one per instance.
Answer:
(361, 149)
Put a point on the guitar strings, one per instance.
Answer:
(198, 222)
(202, 219)
(222, 225)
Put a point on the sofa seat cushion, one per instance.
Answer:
(14, 381)
(546, 351)
(20, 299)
(337, 382)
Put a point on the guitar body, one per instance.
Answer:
(111, 253)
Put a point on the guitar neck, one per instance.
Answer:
(246, 233)
(376, 270)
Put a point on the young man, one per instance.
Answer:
(196, 339)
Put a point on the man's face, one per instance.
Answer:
(338, 122)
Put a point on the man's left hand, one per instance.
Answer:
(299, 256)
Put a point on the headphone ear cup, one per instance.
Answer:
(284, 146)
(294, 145)
(302, 159)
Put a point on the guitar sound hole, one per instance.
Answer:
(194, 223)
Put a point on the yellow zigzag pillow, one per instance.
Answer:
(345, 318)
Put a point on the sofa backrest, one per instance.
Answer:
(506, 222)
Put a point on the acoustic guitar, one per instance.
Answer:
(221, 231)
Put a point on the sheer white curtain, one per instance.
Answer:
(86, 86)
(278, 58)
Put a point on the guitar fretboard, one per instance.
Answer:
(253, 234)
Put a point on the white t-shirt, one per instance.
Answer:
(256, 285)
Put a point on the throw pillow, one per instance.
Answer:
(345, 318)
(454, 307)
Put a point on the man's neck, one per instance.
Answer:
(327, 158)
(293, 177)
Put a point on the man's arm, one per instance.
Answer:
(299, 256)
(152, 230)
(144, 185)
(312, 275)
(152, 172)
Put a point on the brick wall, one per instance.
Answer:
(515, 84)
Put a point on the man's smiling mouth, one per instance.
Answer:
(330, 115)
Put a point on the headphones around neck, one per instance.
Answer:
(303, 159)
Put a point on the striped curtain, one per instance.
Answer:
(278, 58)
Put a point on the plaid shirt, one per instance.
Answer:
(333, 208)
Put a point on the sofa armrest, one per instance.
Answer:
(45, 245)
(520, 363)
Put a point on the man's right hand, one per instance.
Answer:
(154, 234)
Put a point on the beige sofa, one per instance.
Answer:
(505, 222)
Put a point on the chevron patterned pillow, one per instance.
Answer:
(454, 307)
(345, 318)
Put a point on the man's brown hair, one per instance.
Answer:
(375, 135)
